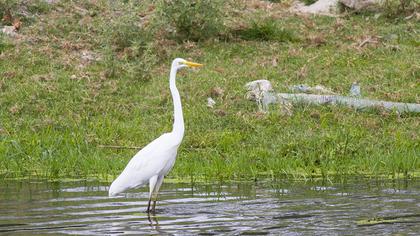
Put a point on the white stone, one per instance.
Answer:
(322, 7)
(355, 90)
(210, 102)
(257, 87)
(9, 31)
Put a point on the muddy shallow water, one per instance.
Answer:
(288, 208)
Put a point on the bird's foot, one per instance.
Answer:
(156, 211)
(151, 211)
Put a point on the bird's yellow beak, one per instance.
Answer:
(192, 64)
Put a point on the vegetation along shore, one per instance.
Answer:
(82, 81)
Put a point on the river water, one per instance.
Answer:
(357, 207)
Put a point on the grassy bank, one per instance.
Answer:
(86, 74)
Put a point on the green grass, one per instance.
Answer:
(266, 30)
(309, 2)
(57, 109)
(387, 220)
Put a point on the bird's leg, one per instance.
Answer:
(154, 206)
(153, 221)
(148, 206)
(152, 187)
(156, 191)
(154, 203)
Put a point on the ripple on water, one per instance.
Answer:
(83, 208)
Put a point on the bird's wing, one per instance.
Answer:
(157, 149)
(148, 162)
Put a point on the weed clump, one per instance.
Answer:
(4, 43)
(309, 2)
(266, 30)
(134, 43)
(128, 47)
(396, 8)
(6, 7)
(190, 20)
(389, 8)
(22, 10)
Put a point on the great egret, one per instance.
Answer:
(155, 160)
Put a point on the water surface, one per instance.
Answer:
(288, 208)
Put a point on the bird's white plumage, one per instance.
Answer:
(156, 159)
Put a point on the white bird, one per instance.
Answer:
(154, 161)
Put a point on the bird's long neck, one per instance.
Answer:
(178, 127)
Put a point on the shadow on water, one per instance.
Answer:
(282, 207)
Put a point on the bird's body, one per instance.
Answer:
(155, 160)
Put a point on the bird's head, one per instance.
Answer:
(179, 63)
